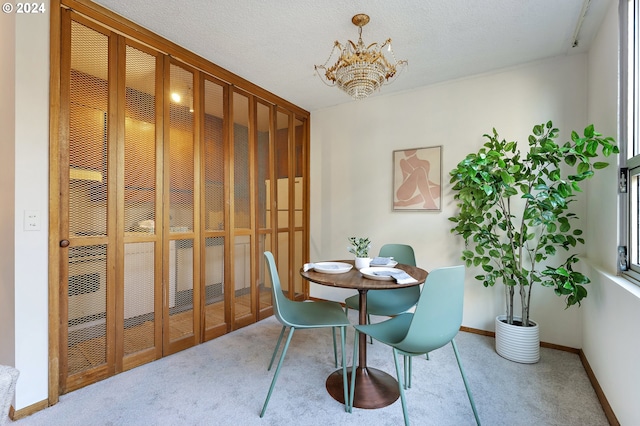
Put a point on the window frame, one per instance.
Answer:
(629, 120)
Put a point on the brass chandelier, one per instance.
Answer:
(360, 69)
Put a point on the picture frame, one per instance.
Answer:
(417, 179)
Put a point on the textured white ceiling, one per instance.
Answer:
(276, 43)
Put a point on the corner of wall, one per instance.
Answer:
(7, 189)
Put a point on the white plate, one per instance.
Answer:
(391, 264)
(373, 271)
(332, 267)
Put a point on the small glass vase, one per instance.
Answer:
(362, 262)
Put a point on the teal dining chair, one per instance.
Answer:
(435, 322)
(295, 315)
(389, 302)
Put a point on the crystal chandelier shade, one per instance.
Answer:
(360, 70)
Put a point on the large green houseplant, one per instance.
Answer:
(514, 212)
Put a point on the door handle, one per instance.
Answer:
(64, 243)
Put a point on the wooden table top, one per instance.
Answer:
(355, 280)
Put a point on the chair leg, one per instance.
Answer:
(369, 322)
(354, 366)
(335, 351)
(275, 376)
(345, 387)
(275, 351)
(466, 384)
(401, 387)
(407, 375)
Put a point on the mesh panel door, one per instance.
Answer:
(282, 199)
(140, 201)
(214, 283)
(86, 336)
(214, 310)
(139, 312)
(214, 156)
(181, 289)
(263, 206)
(181, 204)
(86, 266)
(297, 201)
(243, 302)
(181, 150)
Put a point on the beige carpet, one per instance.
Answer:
(225, 381)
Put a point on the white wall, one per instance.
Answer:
(611, 313)
(351, 169)
(7, 190)
(30, 83)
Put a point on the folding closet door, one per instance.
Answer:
(181, 256)
(297, 198)
(214, 213)
(265, 220)
(290, 200)
(139, 318)
(280, 202)
(240, 287)
(87, 303)
(111, 276)
(172, 184)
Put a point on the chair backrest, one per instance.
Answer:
(438, 315)
(281, 303)
(401, 253)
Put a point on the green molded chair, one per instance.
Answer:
(390, 302)
(304, 315)
(435, 322)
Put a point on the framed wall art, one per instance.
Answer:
(417, 179)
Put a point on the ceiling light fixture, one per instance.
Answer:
(360, 69)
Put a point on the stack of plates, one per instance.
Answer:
(332, 267)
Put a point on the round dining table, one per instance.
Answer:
(374, 388)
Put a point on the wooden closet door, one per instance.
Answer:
(174, 178)
(243, 293)
(87, 303)
(111, 277)
(297, 199)
(214, 212)
(181, 254)
(264, 176)
(139, 205)
(284, 203)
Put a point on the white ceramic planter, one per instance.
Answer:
(362, 262)
(516, 343)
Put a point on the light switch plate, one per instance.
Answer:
(31, 220)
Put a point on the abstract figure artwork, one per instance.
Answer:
(417, 178)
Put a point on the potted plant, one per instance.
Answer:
(360, 248)
(515, 219)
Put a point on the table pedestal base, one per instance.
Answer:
(374, 388)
